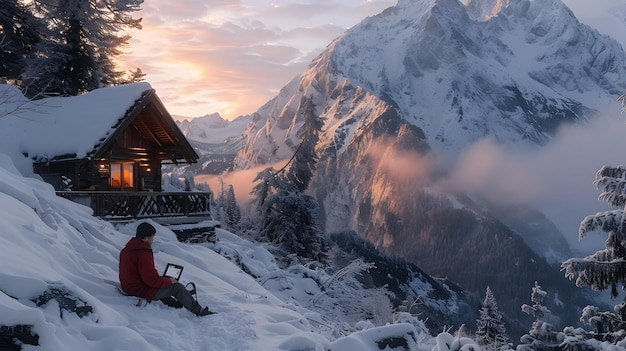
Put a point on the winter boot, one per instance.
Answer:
(204, 312)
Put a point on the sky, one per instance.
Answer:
(232, 56)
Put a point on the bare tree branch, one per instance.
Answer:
(13, 102)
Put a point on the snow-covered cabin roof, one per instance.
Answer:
(78, 127)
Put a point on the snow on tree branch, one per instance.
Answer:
(605, 268)
(596, 273)
(612, 183)
(607, 221)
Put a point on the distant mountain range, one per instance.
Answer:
(405, 92)
(217, 141)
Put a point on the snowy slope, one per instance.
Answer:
(55, 254)
(608, 17)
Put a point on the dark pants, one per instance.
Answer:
(178, 292)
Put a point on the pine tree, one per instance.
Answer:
(20, 32)
(79, 56)
(490, 329)
(541, 335)
(265, 184)
(219, 202)
(305, 159)
(233, 213)
(287, 215)
(605, 268)
(292, 221)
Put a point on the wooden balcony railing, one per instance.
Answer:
(115, 205)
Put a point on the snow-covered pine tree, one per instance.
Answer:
(266, 183)
(541, 335)
(86, 37)
(608, 333)
(605, 268)
(607, 326)
(448, 342)
(292, 221)
(490, 330)
(229, 213)
(287, 215)
(220, 199)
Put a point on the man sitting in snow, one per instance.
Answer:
(138, 276)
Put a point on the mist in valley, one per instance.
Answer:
(557, 179)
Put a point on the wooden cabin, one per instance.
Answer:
(105, 150)
(128, 158)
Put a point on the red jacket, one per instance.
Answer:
(138, 276)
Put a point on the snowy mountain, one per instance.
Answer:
(216, 140)
(406, 92)
(213, 129)
(514, 77)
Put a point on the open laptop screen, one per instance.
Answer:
(173, 271)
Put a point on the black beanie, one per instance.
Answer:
(145, 230)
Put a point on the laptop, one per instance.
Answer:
(173, 271)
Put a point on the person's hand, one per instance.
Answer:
(174, 281)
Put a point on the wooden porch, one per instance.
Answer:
(167, 207)
(187, 214)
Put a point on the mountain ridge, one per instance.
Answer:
(216, 140)
(519, 119)
(476, 58)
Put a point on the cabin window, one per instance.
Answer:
(122, 175)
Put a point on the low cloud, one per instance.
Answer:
(241, 180)
(557, 179)
(500, 176)
(402, 166)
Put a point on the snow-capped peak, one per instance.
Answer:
(514, 77)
